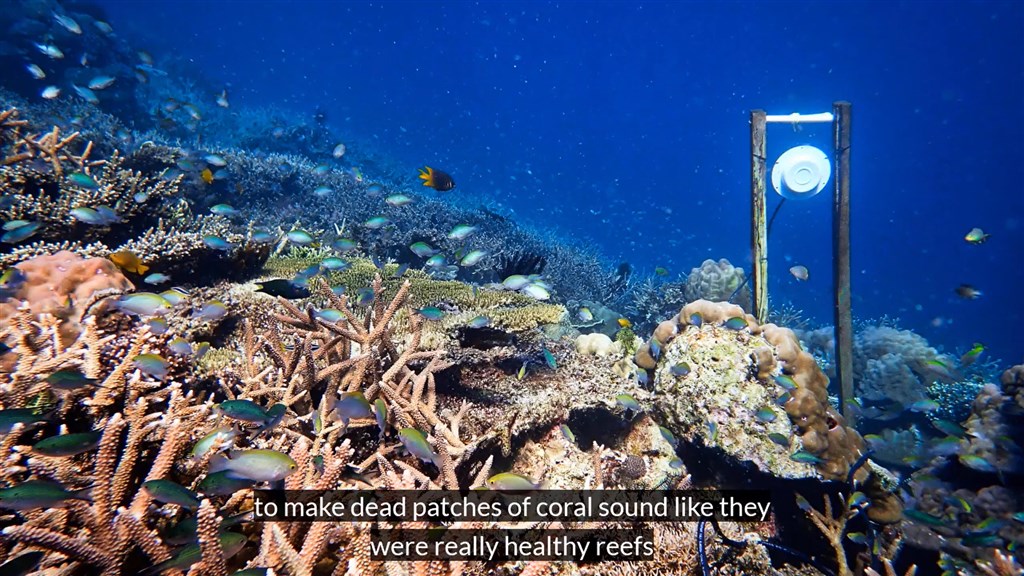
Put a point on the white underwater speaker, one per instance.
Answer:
(801, 172)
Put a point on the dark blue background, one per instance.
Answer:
(626, 124)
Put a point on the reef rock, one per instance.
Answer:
(718, 378)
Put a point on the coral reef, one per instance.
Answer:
(720, 372)
(95, 207)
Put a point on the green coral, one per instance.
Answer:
(286, 266)
(627, 338)
(510, 311)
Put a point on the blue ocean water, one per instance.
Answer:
(625, 125)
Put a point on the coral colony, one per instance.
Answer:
(184, 321)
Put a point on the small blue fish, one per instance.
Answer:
(479, 322)
(376, 222)
(144, 304)
(473, 257)
(461, 232)
(680, 369)
(333, 263)
(83, 181)
(549, 358)
(431, 313)
(243, 409)
(353, 405)
(567, 433)
(401, 270)
(924, 406)
(675, 463)
(655, 348)
(780, 439)
(628, 402)
(67, 444)
(212, 310)
(322, 191)
(422, 249)
(216, 243)
(262, 237)
(180, 346)
(416, 443)
(157, 325)
(380, 413)
(781, 400)
(69, 379)
(397, 200)
(364, 296)
(736, 323)
(156, 278)
(20, 233)
(669, 436)
(87, 215)
(152, 365)
(12, 224)
(329, 314)
(950, 428)
(223, 436)
(805, 457)
(712, 431)
(215, 160)
(857, 538)
(169, 492)
(978, 463)
(696, 319)
(300, 237)
(857, 499)
(786, 382)
(223, 210)
(642, 377)
(108, 215)
(343, 245)
(765, 414)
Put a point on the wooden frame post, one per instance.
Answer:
(841, 258)
(759, 229)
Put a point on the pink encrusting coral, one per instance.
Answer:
(64, 285)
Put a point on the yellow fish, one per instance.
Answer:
(128, 261)
(625, 323)
(206, 175)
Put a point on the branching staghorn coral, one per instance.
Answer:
(48, 198)
(102, 531)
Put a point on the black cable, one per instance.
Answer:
(768, 233)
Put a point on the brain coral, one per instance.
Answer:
(62, 284)
(717, 281)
